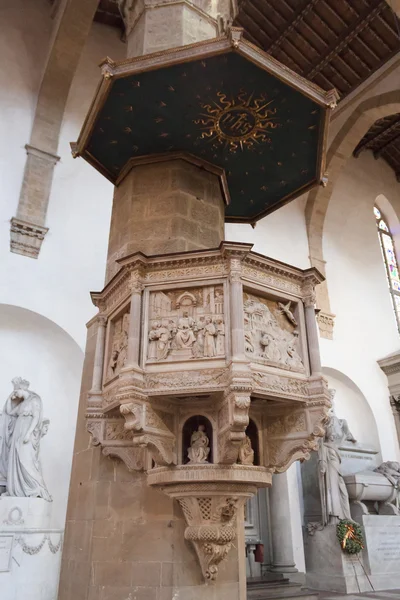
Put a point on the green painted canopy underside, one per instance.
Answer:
(156, 112)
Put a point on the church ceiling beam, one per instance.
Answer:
(303, 9)
(376, 138)
(347, 36)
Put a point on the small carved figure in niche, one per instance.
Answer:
(153, 338)
(285, 309)
(220, 341)
(210, 333)
(199, 446)
(333, 491)
(246, 452)
(184, 337)
(391, 470)
(21, 428)
(123, 348)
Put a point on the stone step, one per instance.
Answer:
(280, 591)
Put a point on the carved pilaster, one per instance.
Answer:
(94, 396)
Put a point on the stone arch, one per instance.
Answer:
(340, 150)
(351, 404)
(40, 351)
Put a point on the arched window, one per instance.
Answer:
(389, 258)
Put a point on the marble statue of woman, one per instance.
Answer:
(199, 446)
(334, 495)
(23, 416)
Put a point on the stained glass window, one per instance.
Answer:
(389, 258)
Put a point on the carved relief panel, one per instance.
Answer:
(117, 346)
(186, 324)
(271, 333)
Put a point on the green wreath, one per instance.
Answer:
(350, 536)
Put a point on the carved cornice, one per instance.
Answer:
(26, 238)
(326, 323)
(390, 364)
(233, 259)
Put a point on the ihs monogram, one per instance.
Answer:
(238, 123)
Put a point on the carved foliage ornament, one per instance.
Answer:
(211, 528)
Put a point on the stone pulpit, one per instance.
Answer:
(202, 372)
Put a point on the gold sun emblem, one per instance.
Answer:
(238, 123)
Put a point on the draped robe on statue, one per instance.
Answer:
(334, 495)
(23, 420)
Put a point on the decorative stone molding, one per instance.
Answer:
(26, 238)
(326, 323)
(32, 550)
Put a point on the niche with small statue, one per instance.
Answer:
(197, 441)
(249, 453)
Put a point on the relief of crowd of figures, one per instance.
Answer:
(271, 333)
(184, 325)
(190, 324)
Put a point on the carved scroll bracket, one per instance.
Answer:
(149, 431)
(233, 418)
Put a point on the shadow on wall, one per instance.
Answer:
(38, 350)
(351, 404)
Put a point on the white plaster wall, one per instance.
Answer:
(72, 259)
(281, 235)
(38, 350)
(365, 328)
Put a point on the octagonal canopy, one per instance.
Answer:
(222, 104)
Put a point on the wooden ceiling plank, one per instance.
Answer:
(367, 48)
(334, 13)
(295, 66)
(339, 74)
(254, 8)
(305, 7)
(348, 35)
(266, 17)
(250, 26)
(247, 34)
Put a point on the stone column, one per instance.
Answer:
(312, 333)
(125, 538)
(98, 359)
(281, 532)
(134, 324)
